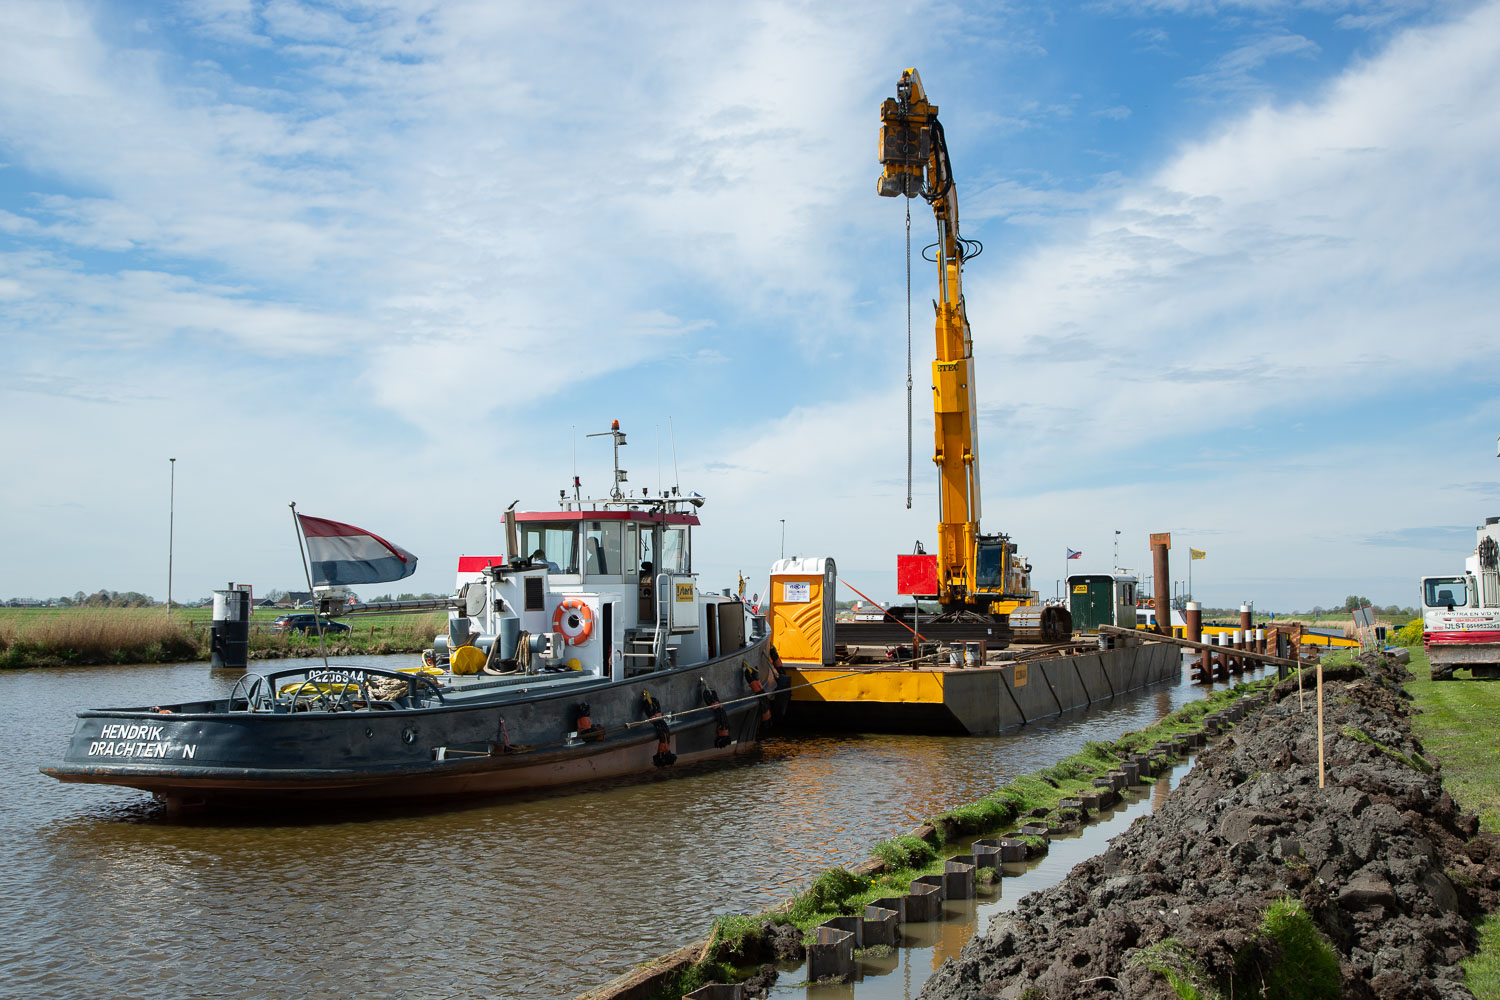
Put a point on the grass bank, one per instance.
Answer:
(45, 637)
(1456, 728)
(843, 891)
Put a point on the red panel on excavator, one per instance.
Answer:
(917, 575)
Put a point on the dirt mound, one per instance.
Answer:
(1252, 881)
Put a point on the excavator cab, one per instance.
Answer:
(989, 566)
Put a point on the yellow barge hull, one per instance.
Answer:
(971, 700)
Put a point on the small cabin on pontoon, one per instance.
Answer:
(1096, 599)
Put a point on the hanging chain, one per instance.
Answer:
(908, 354)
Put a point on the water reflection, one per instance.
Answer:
(539, 897)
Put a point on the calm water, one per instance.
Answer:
(924, 947)
(543, 897)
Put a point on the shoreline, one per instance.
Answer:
(380, 648)
(124, 636)
(1254, 879)
(1329, 917)
(743, 948)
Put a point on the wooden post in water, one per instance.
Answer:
(1320, 723)
(1160, 543)
(1192, 616)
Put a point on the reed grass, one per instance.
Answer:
(95, 636)
(114, 635)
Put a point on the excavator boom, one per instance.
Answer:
(972, 570)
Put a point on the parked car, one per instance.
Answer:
(306, 624)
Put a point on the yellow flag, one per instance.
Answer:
(1198, 553)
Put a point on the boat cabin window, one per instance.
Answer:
(646, 556)
(1441, 591)
(601, 548)
(632, 563)
(555, 544)
(675, 557)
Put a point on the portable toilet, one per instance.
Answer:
(802, 600)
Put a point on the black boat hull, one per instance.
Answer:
(513, 736)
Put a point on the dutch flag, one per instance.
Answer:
(342, 555)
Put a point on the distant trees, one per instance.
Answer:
(407, 597)
(135, 599)
(115, 599)
(1353, 602)
(108, 599)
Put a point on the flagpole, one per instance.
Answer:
(302, 548)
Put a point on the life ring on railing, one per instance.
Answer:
(574, 620)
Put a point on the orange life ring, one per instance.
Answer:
(574, 620)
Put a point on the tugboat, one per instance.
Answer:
(586, 652)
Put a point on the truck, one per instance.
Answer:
(1461, 612)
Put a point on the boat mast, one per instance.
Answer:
(619, 439)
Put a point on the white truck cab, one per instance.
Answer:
(1461, 612)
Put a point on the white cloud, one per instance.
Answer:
(1237, 70)
(422, 237)
(1300, 257)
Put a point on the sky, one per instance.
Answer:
(393, 262)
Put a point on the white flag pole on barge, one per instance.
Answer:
(302, 548)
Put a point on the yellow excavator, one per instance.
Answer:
(972, 573)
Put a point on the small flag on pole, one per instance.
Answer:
(342, 555)
(1198, 553)
(1072, 554)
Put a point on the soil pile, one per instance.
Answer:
(1252, 881)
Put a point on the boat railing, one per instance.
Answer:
(663, 611)
(332, 689)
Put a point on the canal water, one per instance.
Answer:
(545, 896)
(900, 973)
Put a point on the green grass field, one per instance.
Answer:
(1456, 730)
(32, 637)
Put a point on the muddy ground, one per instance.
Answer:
(1252, 881)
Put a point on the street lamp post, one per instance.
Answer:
(171, 532)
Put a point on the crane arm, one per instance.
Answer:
(914, 160)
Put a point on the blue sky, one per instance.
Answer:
(393, 261)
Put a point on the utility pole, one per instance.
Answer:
(171, 531)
